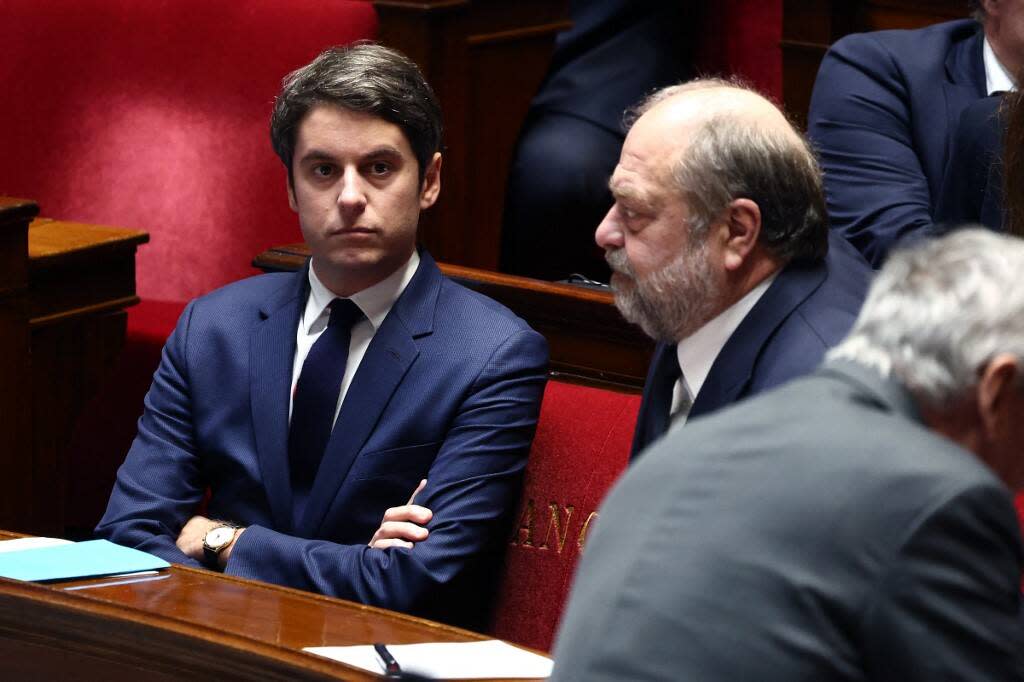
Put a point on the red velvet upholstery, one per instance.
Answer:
(154, 115)
(742, 37)
(582, 445)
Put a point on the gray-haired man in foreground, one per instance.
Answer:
(857, 524)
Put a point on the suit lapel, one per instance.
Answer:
(272, 352)
(654, 399)
(734, 366)
(965, 83)
(389, 356)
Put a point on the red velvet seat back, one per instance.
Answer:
(153, 114)
(581, 448)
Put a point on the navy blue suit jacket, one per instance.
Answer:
(884, 109)
(973, 189)
(449, 390)
(807, 309)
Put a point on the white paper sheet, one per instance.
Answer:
(19, 544)
(447, 660)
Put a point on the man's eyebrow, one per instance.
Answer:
(623, 190)
(382, 150)
(316, 154)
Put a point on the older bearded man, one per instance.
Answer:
(720, 249)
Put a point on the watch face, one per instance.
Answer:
(218, 537)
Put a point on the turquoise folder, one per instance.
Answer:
(89, 559)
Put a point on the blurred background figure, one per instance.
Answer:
(886, 117)
(616, 52)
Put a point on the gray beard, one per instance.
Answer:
(670, 304)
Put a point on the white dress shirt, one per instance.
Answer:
(697, 352)
(375, 302)
(997, 78)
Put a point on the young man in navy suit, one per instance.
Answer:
(308, 404)
(885, 112)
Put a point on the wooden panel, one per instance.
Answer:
(485, 59)
(15, 367)
(61, 329)
(81, 277)
(809, 27)
(190, 624)
(882, 15)
(590, 342)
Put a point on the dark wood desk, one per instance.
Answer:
(192, 624)
(589, 341)
(63, 296)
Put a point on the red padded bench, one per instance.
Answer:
(581, 447)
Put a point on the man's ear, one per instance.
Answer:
(999, 393)
(291, 193)
(741, 224)
(431, 182)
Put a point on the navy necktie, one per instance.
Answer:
(316, 398)
(661, 395)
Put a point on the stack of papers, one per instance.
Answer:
(48, 559)
(447, 660)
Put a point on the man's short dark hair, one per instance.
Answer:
(363, 77)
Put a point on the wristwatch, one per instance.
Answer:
(217, 539)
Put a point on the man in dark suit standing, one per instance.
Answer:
(719, 245)
(856, 524)
(884, 111)
(307, 404)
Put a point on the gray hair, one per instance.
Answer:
(732, 157)
(363, 77)
(939, 311)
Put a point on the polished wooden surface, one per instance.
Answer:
(75, 282)
(589, 341)
(189, 624)
(77, 270)
(485, 59)
(810, 26)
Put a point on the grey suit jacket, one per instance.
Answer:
(817, 532)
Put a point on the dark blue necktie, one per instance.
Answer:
(661, 396)
(316, 398)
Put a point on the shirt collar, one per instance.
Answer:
(997, 78)
(697, 352)
(375, 301)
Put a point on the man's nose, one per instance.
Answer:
(609, 232)
(352, 194)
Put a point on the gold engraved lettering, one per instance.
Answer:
(584, 530)
(524, 531)
(561, 530)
